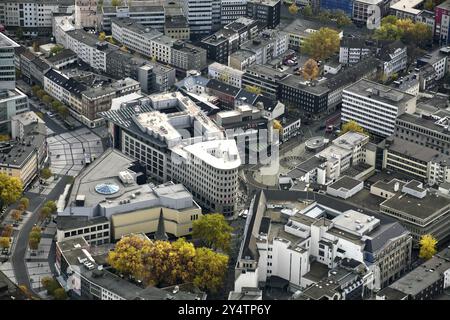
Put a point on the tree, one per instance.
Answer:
(47, 99)
(388, 32)
(60, 294)
(21, 207)
(324, 17)
(45, 213)
(16, 215)
(310, 70)
(213, 230)
(40, 94)
(321, 44)
(307, 11)
(111, 40)
(25, 291)
(116, 3)
(405, 25)
(46, 173)
(253, 89)
(389, 20)
(51, 205)
(50, 284)
(428, 5)
(35, 89)
(421, 35)
(33, 243)
(127, 256)
(63, 111)
(7, 231)
(353, 126)
(102, 36)
(34, 238)
(5, 242)
(25, 202)
(10, 189)
(56, 105)
(19, 33)
(427, 246)
(210, 269)
(56, 49)
(293, 9)
(35, 46)
(343, 20)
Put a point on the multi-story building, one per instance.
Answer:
(161, 48)
(363, 10)
(150, 16)
(230, 10)
(62, 59)
(34, 17)
(442, 22)
(23, 157)
(217, 48)
(288, 236)
(267, 11)
(333, 5)
(417, 209)
(352, 50)
(186, 56)
(134, 35)
(136, 206)
(375, 107)
(225, 74)
(394, 56)
(307, 97)
(7, 61)
(437, 59)
(201, 15)
(161, 127)
(268, 45)
(264, 77)
(60, 26)
(86, 14)
(425, 282)
(407, 9)
(177, 27)
(88, 48)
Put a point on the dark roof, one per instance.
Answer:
(62, 55)
(217, 85)
(345, 182)
(75, 87)
(40, 64)
(382, 234)
(265, 225)
(75, 222)
(268, 103)
(246, 96)
(56, 77)
(389, 48)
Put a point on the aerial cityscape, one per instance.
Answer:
(253, 150)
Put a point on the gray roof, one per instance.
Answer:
(345, 182)
(17, 154)
(62, 55)
(413, 150)
(75, 222)
(296, 82)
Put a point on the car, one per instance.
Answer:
(51, 114)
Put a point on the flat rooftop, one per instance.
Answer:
(345, 182)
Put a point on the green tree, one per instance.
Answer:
(5, 242)
(11, 189)
(307, 11)
(342, 20)
(321, 44)
(19, 33)
(40, 94)
(116, 3)
(310, 70)
(60, 294)
(7, 231)
(46, 173)
(25, 202)
(45, 213)
(56, 49)
(353, 126)
(35, 46)
(210, 269)
(50, 284)
(63, 111)
(388, 32)
(428, 5)
(389, 20)
(51, 205)
(427, 246)
(213, 230)
(47, 99)
(35, 89)
(56, 105)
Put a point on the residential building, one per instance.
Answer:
(300, 243)
(375, 107)
(177, 27)
(186, 56)
(86, 14)
(34, 17)
(268, 45)
(241, 59)
(407, 9)
(363, 10)
(437, 59)
(150, 16)
(417, 209)
(442, 22)
(161, 48)
(137, 207)
(62, 59)
(23, 158)
(225, 74)
(60, 26)
(267, 11)
(208, 169)
(352, 50)
(264, 77)
(425, 282)
(394, 56)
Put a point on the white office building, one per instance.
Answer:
(375, 107)
(225, 74)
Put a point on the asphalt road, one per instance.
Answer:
(21, 244)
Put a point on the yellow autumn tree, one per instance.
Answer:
(322, 44)
(310, 70)
(252, 89)
(353, 126)
(213, 230)
(293, 9)
(427, 246)
(10, 189)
